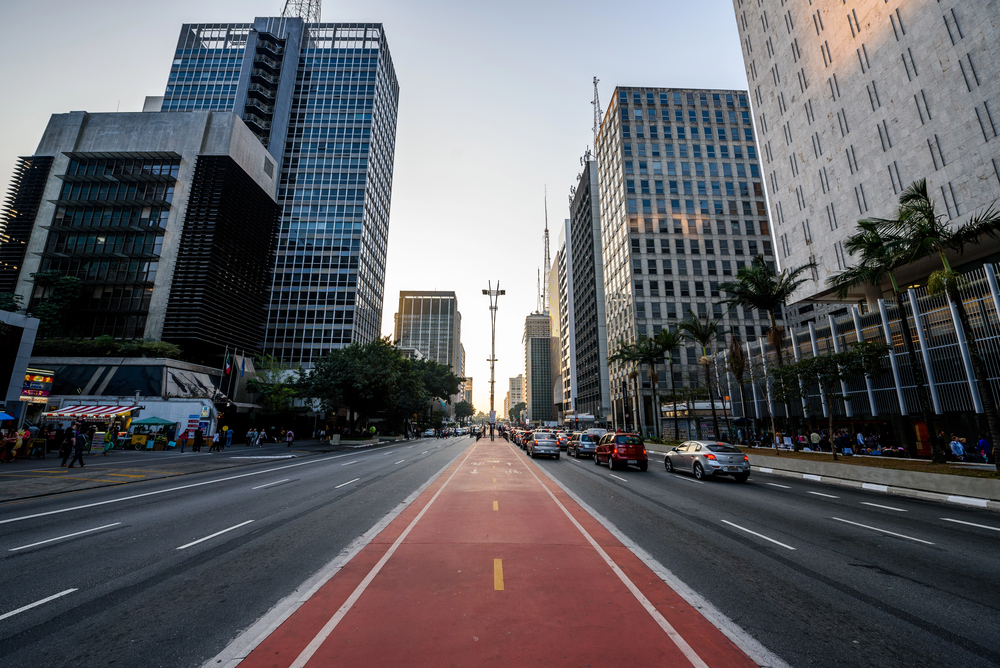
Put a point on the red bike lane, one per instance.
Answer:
(493, 565)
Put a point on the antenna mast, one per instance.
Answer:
(308, 10)
(597, 112)
(548, 260)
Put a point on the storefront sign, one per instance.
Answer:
(37, 385)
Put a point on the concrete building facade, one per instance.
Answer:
(168, 220)
(515, 391)
(537, 342)
(322, 98)
(431, 323)
(563, 324)
(682, 209)
(854, 102)
(589, 320)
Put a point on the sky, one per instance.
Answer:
(494, 109)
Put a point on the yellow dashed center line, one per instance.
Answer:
(498, 574)
(496, 505)
(494, 479)
(126, 475)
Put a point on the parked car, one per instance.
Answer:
(621, 451)
(582, 443)
(543, 443)
(708, 458)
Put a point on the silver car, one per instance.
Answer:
(708, 458)
(582, 444)
(543, 443)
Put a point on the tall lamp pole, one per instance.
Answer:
(494, 297)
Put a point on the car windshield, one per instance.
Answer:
(723, 447)
(628, 440)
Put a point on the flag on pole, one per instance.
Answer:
(243, 364)
(229, 365)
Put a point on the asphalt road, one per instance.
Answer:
(820, 575)
(167, 572)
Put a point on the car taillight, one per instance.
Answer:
(709, 456)
(746, 459)
(615, 451)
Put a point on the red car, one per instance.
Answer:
(621, 451)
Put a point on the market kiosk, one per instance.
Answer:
(104, 418)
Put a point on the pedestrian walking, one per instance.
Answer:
(985, 448)
(79, 445)
(215, 442)
(229, 437)
(289, 437)
(199, 440)
(66, 447)
(249, 437)
(262, 438)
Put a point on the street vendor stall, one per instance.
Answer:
(110, 422)
(151, 433)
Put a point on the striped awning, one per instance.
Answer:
(95, 412)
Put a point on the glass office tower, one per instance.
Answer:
(322, 98)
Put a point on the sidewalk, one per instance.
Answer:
(492, 565)
(31, 478)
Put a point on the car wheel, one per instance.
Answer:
(557, 455)
(667, 464)
(576, 453)
(741, 477)
(596, 460)
(532, 453)
(699, 472)
(611, 463)
(643, 466)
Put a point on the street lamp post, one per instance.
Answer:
(494, 296)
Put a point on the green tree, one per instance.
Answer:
(11, 303)
(704, 333)
(757, 287)
(879, 258)
(59, 293)
(829, 372)
(671, 341)
(515, 413)
(276, 384)
(464, 409)
(919, 232)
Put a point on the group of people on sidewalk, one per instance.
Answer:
(957, 449)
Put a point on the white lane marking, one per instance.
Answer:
(759, 535)
(217, 533)
(687, 479)
(971, 524)
(346, 483)
(829, 496)
(349, 463)
(170, 489)
(671, 632)
(400, 462)
(617, 478)
(271, 483)
(891, 533)
(36, 604)
(774, 484)
(424, 452)
(328, 628)
(877, 505)
(810, 476)
(69, 535)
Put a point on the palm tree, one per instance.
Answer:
(738, 367)
(646, 351)
(757, 287)
(880, 258)
(703, 332)
(671, 341)
(919, 232)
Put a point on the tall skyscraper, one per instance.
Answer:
(168, 221)
(431, 323)
(563, 324)
(853, 102)
(682, 210)
(593, 395)
(322, 98)
(538, 367)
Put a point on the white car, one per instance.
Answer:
(429, 432)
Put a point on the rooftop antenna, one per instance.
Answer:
(548, 260)
(308, 10)
(597, 112)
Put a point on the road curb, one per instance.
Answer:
(966, 501)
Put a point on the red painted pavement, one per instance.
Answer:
(434, 603)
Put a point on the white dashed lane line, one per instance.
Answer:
(271, 483)
(885, 531)
(828, 496)
(217, 533)
(400, 462)
(346, 483)
(971, 524)
(617, 478)
(69, 535)
(774, 484)
(36, 604)
(759, 535)
(877, 505)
